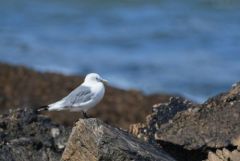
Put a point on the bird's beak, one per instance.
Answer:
(104, 81)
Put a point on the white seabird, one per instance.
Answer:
(84, 97)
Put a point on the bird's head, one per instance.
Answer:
(95, 78)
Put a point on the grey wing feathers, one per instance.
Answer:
(80, 95)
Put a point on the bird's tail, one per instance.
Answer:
(43, 108)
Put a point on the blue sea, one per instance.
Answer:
(187, 47)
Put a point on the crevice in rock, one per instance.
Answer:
(181, 154)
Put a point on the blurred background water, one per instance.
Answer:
(185, 47)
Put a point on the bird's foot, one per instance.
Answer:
(85, 115)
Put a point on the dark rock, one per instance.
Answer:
(27, 136)
(198, 128)
(94, 140)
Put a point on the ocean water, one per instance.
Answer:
(183, 47)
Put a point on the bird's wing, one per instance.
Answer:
(78, 96)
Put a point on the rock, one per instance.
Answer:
(93, 140)
(21, 87)
(135, 130)
(212, 127)
(162, 113)
(195, 129)
(224, 155)
(27, 136)
(236, 141)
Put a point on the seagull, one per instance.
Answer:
(82, 98)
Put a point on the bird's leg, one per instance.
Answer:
(85, 114)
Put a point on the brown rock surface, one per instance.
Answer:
(94, 140)
(22, 87)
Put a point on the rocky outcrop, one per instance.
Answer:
(26, 136)
(22, 87)
(93, 140)
(185, 130)
(161, 113)
(188, 131)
